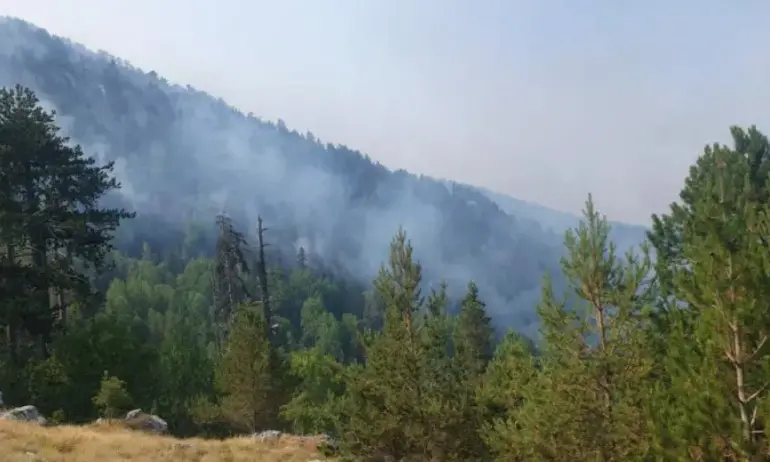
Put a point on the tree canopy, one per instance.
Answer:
(636, 359)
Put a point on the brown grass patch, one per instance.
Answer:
(22, 442)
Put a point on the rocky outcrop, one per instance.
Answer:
(27, 413)
(267, 435)
(139, 420)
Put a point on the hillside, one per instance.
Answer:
(21, 442)
(624, 235)
(183, 156)
(182, 322)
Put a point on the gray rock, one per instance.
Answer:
(267, 435)
(147, 422)
(134, 414)
(27, 413)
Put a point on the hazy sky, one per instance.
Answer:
(544, 100)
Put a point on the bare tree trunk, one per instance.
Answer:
(11, 330)
(263, 285)
(13, 341)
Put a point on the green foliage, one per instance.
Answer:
(384, 400)
(320, 329)
(112, 399)
(58, 417)
(473, 334)
(719, 273)
(316, 402)
(403, 401)
(52, 232)
(186, 369)
(504, 394)
(629, 365)
(243, 374)
(49, 384)
(582, 401)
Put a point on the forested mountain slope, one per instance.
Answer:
(624, 235)
(216, 340)
(183, 156)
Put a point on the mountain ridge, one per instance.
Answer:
(626, 236)
(183, 156)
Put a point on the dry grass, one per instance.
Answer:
(22, 442)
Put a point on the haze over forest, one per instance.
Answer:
(247, 278)
(184, 156)
(547, 101)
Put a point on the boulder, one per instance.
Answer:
(267, 435)
(27, 413)
(139, 420)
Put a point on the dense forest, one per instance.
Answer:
(183, 157)
(219, 331)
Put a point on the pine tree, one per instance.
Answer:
(229, 274)
(727, 278)
(243, 373)
(314, 408)
(441, 410)
(472, 340)
(669, 230)
(53, 232)
(301, 258)
(473, 334)
(500, 394)
(408, 400)
(585, 402)
(385, 398)
(711, 254)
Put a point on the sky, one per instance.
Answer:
(543, 100)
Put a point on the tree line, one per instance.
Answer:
(641, 358)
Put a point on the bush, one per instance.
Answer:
(112, 399)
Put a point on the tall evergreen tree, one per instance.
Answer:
(314, 408)
(473, 334)
(230, 270)
(727, 277)
(186, 370)
(585, 403)
(473, 349)
(711, 248)
(501, 395)
(385, 398)
(451, 418)
(243, 373)
(301, 258)
(54, 233)
(668, 230)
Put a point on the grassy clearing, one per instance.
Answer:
(22, 442)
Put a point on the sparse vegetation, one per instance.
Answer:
(21, 442)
